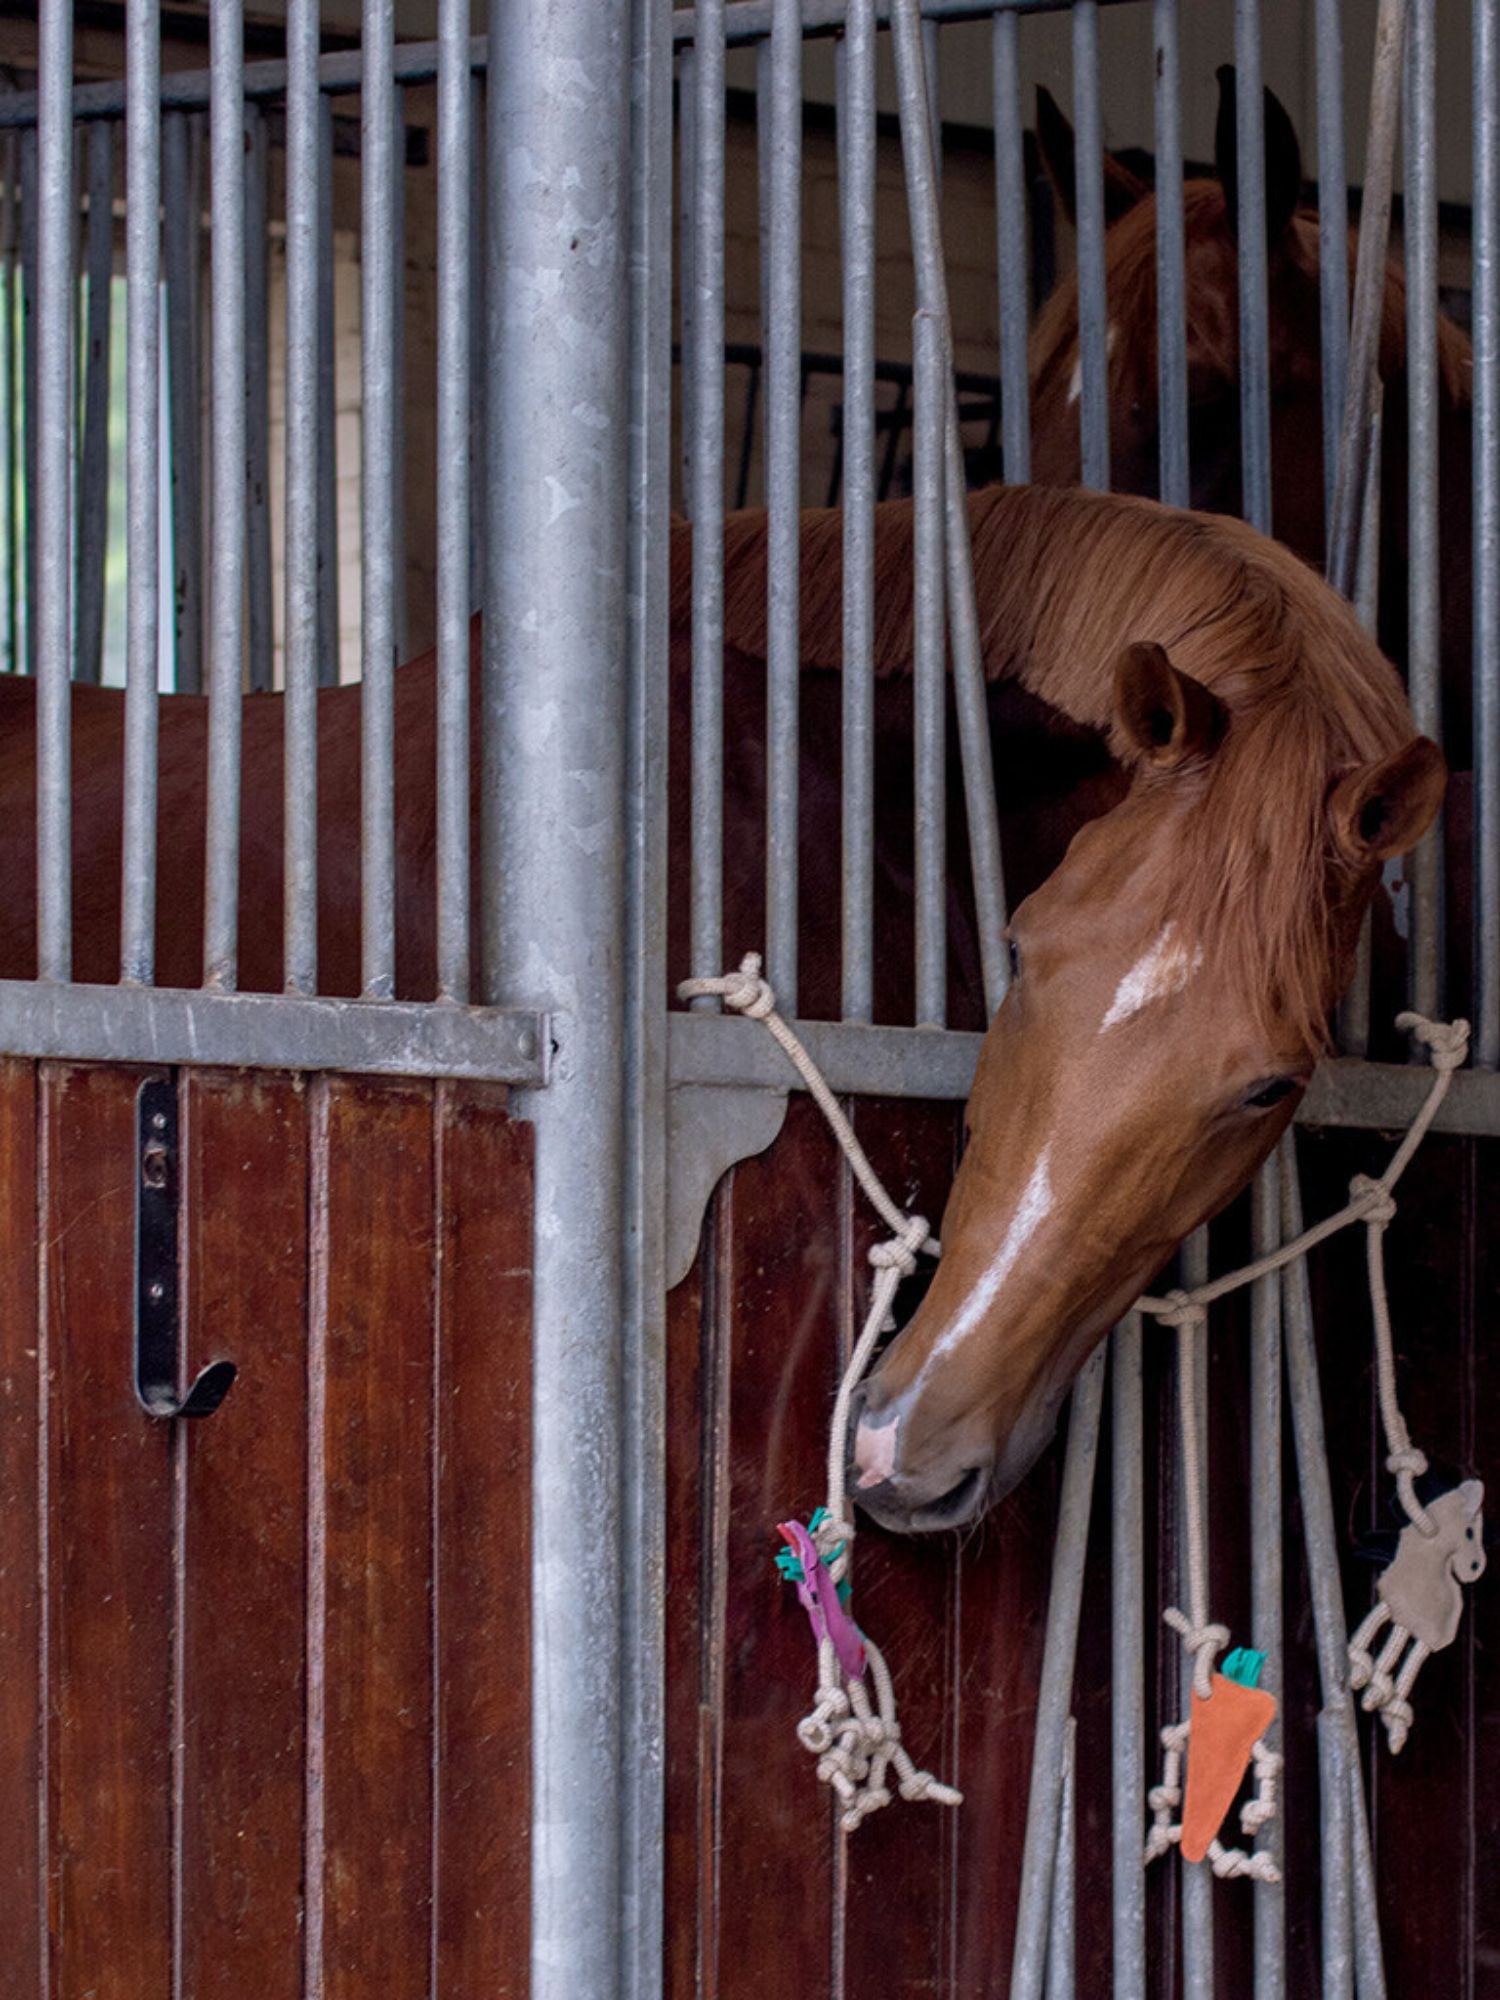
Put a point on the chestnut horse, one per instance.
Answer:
(1295, 329)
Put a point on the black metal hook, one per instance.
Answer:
(157, 1319)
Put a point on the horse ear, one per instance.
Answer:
(1054, 138)
(1283, 159)
(1383, 809)
(1165, 717)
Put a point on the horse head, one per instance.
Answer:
(1172, 982)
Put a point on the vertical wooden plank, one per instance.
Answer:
(22, 1961)
(483, 1502)
(1484, 1609)
(109, 1558)
(244, 1154)
(688, 1780)
(370, 1540)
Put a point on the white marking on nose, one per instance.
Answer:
(1165, 969)
(1032, 1210)
(875, 1450)
(1075, 380)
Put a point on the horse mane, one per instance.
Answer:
(1065, 579)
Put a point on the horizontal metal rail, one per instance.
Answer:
(861, 1061)
(77, 1023)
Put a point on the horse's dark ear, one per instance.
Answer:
(1054, 138)
(1283, 159)
(1165, 717)
(1383, 809)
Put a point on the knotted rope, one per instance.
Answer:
(855, 1741)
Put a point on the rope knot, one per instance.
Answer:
(1374, 1199)
(1446, 1042)
(1408, 1460)
(1201, 1642)
(1180, 1308)
(746, 992)
(899, 1252)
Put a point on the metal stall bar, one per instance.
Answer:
(1062, 1927)
(1010, 252)
(227, 589)
(643, 1679)
(327, 414)
(378, 393)
(1345, 1829)
(476, 372)
(1093, 307)
(93, 471)
(1487, 533)
(300, 564)
(259, 589)
(10, 593)
(1369, 294)
(399, 645)
(783, 342)
(856, 122)
(1265, 1550)
(1196, 1883)
(1333, 238)
(52, 606)
(556, 672)
(1171, 272)
(963, 622)
(1055, 1693)
(932, 375)
(142, 473)
(706, 492)
(1354, 1009)
(1250, 235)
(1424, 622)
(181, 203)
(28, 274)
(1127, 1679)
(455, 283)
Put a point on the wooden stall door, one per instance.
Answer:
(264, 1677)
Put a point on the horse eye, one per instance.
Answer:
(1272, 1091)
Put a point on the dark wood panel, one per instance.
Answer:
(109, 1512)
(244, 1149)
(691, 1727)
(483, 1659)
(21, 1961)
(370, 1652)
(1483, 1614)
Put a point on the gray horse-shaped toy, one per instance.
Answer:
(1421, 1595)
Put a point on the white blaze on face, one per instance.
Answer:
(1075, 380)
(1162, 971)
(1032, 1211)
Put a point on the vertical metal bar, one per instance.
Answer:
(1265, 1548)
(329, 648)
(1333, 238)
(399, 640)
(933, 78)
(180, 194)
(1369, 292)
(1335, 1860)
(1326, 1591)
(377, 784)
(1093, 307)
(1354, 1008)
(477, 382)
(643, 1685)
(1171, 268)
(227, 593)
(53, 491)
(10, 648)
(968, 663)
(259, 605)
(29, 378)
(856, 115)
(557, 619)
(1197, 1883)
(142, 477)
(1055, 1693)
(1255, 341)
(687, 255)
(300, 561)
(1127, 1679)
(1424, 866)
(1487, 532)
(930, 669)
(784, 495)
(706, 487)
(93, 483)
(455, 235)
(1062, 1926)
(1010, 252)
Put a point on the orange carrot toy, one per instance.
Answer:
(1222, 1733)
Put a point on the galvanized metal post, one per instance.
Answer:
(555, 679)
(1010, 251)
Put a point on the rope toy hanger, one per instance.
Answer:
(857, 1742)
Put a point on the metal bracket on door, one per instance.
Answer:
(710, 1128)
(158, 1323)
